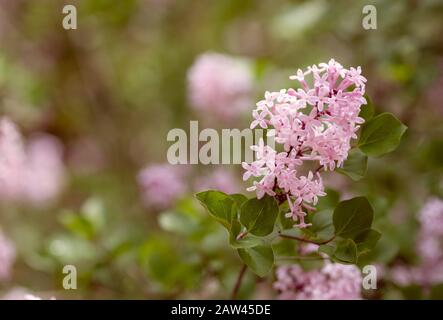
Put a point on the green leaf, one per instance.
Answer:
(322, 226)
(164, 264)
(238, 198)
(219, 205)
(384, 252)
(177, 222)
(329, 248)
(259, 259)
(367, 110)
(346, 251)
(77, 224)
(259, 215)
(94, 212)
(355, 166)
(329, 201)
(367, 240)
(283, 222)
(284, 247)
(381, 134)
(246, 241)
(352, 217)
(341, 250)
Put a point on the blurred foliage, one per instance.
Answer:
(120, 80)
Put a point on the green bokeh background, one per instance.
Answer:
(119, 81)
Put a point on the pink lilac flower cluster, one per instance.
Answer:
(22, 294)
(429, 249)
(220, 179)
(333, 281)
(7, 257)
(220, 86)
(162, 184)
(313, 123)
(32, 172)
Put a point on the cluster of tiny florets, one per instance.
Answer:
(333, 281)
(313, 123)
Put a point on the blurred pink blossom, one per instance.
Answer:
(44, 170)
(162, 184)
(12, 160)
(431, 217)
(405, 275)
(308, 248)
(429, 248)
(220, 179)
(22, 294)
(220, 86)
(33, 172)
(333, 281)
(430, 241)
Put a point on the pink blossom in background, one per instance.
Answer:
(333, 281)
(44, 171)
(220, 86)
(405, 275)
(431, 217)
(313, 123)
(308, 248)
(429, 249)
(220, 179)
(162, 184)
(22, 294)
(12, 160)
(7, 257)
(33, 172)
(430, 241)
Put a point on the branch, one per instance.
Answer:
(319, 169)
(305, 240)
(238, 282)
(301, 258)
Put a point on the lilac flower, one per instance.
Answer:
(220, 86)
(7, 257)
(430, 241)
(161, 185)
(12, 160)
(313, 124)
(431, 217)
(429, 248)
(44, 171)
(220, 179)
(405, 275)
(22, 294)
(33, 172)
(333, 281)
